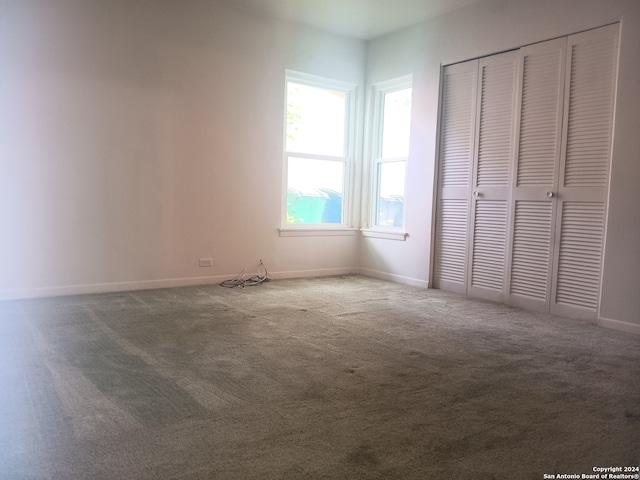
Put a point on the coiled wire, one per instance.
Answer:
(242, 282)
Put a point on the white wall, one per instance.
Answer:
(488, 27)
(136, 137)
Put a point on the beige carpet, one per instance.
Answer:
(335, 378)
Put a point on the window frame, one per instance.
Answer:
(378, 93)
(345, 227)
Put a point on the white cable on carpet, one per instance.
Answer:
(242, 282)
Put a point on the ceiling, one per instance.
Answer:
(364, 19)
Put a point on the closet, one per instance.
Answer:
(523, 172)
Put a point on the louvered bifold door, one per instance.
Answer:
(495, 121)
(592, 59)
(457, 117)
(535, 180)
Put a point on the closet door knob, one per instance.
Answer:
(476, 193)
(549, 194)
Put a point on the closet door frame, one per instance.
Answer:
(576, 209)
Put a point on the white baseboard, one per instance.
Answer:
(108, 287)
(61, 291)
(633, 328)
(391, 277)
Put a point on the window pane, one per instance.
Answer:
(396, 122)
(390, 194)
(314, 193)
(315, 120)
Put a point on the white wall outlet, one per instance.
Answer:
(205, 262)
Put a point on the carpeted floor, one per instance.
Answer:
(334, 378)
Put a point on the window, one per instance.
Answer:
(318, 151)
(390, 151)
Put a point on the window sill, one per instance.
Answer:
(388, 235)
(317, 232)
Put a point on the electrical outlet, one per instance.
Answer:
(206, 262)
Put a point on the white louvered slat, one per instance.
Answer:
(588, 141)
(531, 247)
(489, 242)
(586, 157)
(542, 68)
(580, 254)
(457, 133)
(451, 241)
(539, 119)
(495, 133)
(492, 174)
(457, 123)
